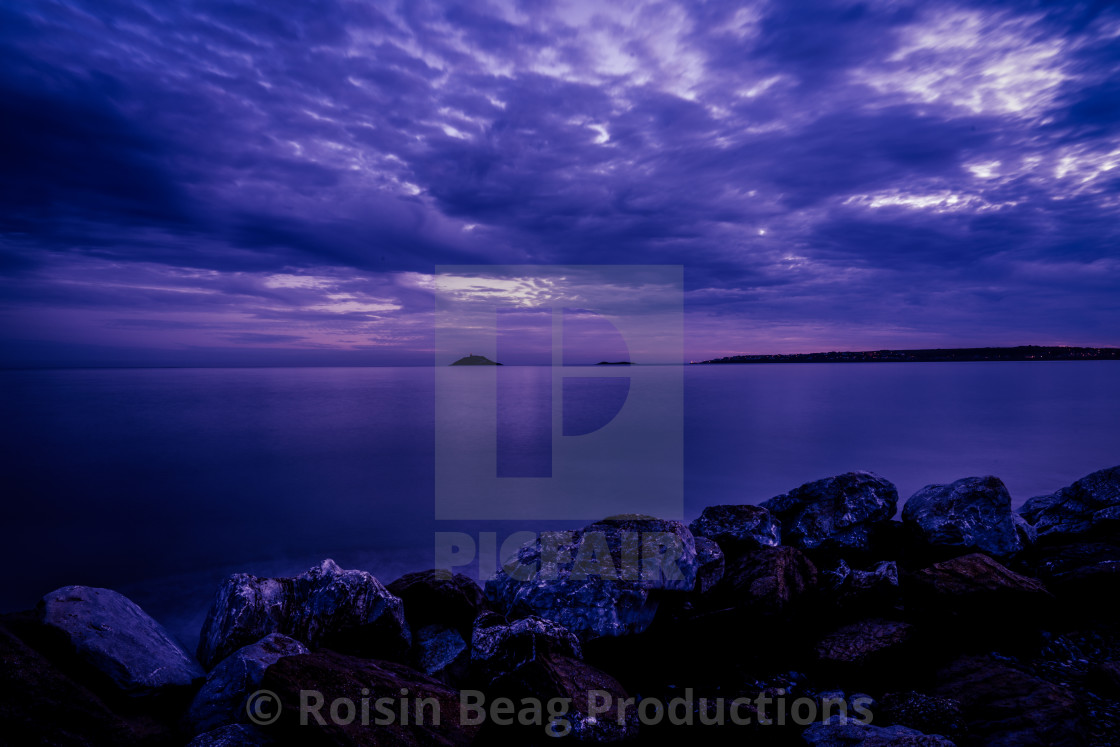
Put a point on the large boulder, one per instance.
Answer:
(326, 691)
(767, 582)
(221, 700)
(841, 731)
(1084, 573)
(347, 610)
(1090, 503)
(836, 514)
(602, 580)
(978, 591)
(118, 639)
(501, 647)
(437, 597)
(738, 528)
(973, 514)
(1005, 706)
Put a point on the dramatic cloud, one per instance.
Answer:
(277, 182)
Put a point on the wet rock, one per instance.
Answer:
(346, 610)
(500, 647)
(859, 644)
(438, 597)
(1076, 509)
(835, 514)
(710, 562)
(973, 514)
(339, 678)
(926, 713)
(1005, 706)
(738, 528)
(235, 735)
(221, 700)
(599, 581)
(118, 639)
(846, 732)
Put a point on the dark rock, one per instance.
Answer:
(1105, 677)
(348, 611)
(873, 591)
(1084, 573)
(845, 732)
(42, 705)
(836, 514)
(926, 713)
(557, 676)
(768, 581)
(738, 528)
(1075, 509)
(221, 700)
(858, 644)
(978, 588)
(500, 647)
(710, 562)
(118, 639)
(440, 651)
(1007, 707)
(437, 597)
(973, 514)
(601, 580)
(234, 735)
(337, 677)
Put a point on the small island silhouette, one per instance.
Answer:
(475, 360)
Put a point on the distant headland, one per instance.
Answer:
(931, 355)
(475, 360)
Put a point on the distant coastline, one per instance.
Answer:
(934, 355)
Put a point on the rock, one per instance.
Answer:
(221, 700)
(43, 705)
(710, 561)
(738, 528)
(558, 676)
(601, 580)
(926, 713)
(856, 645)
(973, 514)
(235, 735)
(437, 648)
(338, 678)
(1086, 573)
(768, 581)
(439, 598)
(980, 589)
(118, 639)
(1075, 509)
(839, 731)
(873, 590)
(836, 514)
(1105, 677)
(500, 647)
(347, 610)
(1007, 707)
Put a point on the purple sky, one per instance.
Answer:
(275, 182)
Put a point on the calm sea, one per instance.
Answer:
(159, 482)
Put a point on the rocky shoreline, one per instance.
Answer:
(818, 617)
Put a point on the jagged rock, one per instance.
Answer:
(347, 610)
(221, 700)
(872, 590)
(710, 562)
(43, 705)
(234, 735)
(860, 642)
(1007, 707)
(835, 514)
(840, 731)
(437, 597)
(499, 647)
(926, 713)
(558, 676)
(977, 587)
(1076, 509)
(973, 514)
(337, 677)
(767, 581)
(738, 528)
(118, 639)
(437, 648)
(598, 581)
